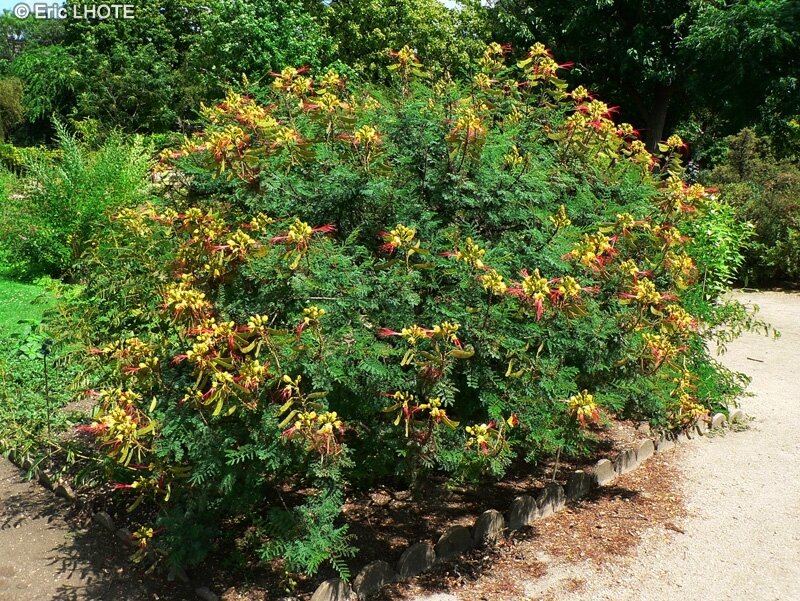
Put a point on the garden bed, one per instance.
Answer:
(386, 521)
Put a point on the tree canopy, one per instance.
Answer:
(699, 68)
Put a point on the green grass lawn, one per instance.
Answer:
(21, 302)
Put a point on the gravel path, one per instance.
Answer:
(45, 555)
(741, 536)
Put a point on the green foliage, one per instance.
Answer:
(446, 39)
(766, 193)
(10, 105)
(255, 38)
(59, 204)
(719, 240)
(7, 184)
(307, 536)
(29, 416)
(343, 285)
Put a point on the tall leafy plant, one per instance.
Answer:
(61, 203)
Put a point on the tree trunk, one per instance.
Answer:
(657, 117)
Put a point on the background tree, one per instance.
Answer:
(627, 51)
(444, 39)
(129, 71)
(256, 37)
(663, 61)
(10, 105)
(746, 64)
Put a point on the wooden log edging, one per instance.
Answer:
(526, 509)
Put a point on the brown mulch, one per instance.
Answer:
(387, 521)
(602, 527)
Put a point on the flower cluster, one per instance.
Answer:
(660, 347)
(594, 250)
(401, 238)
(644, 292)
(298, 237)
(471, 254)
(489, 438)
(408, 406)
(583, 407)
(560, 220)
(494, 283)
(120, 425)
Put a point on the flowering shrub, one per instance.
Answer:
(343, 285)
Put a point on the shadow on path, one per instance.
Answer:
(47, 554)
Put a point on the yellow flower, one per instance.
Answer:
(286, 137)
(580, 94)
(584, 408)
(629, 268)
(479, 436)
(626, 129)
(182, 297)
(626, 221)
(591, 248)
(538, 49)
(470, 123)
(513, 158)
(560, 219)
(536, 286)
(401, 237)
(597, 110)
(660, 346)
(239, 243)
(143, 536)
(672, 235)
(313, 314)
(414, 334)
(258, 324)
(292, 82)
(674, 142)
(328, 422)
(471, 254)
(305, 420)
(406, 55)
(446, 331)
(569, 287)
(299, 232)
(637, 147)
(366, 134)
(493, 282)
(645, 292)
(331, 79)
(260, 222)
(678, 319)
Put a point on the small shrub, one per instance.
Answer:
(766, 193)
(29, 416)
(59, 203)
